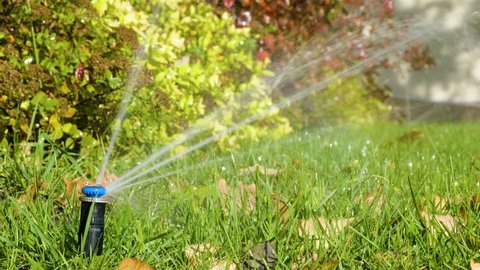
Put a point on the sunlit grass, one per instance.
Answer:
(327, 173)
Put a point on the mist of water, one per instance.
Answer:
(127, 96)
(297, 67)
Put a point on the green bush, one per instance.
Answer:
(198, 61)
(64, 67)
(60, 69)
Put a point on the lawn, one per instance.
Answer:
(386, 196)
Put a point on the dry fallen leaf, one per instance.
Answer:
(447, 222)
(197, 253)
(260, 169)
(108, 178)
(224, 265)
(310, 227)
(75, 186)
(244, 195)
(440, 203)
(281, 208)
(310, 261)
(374, 198)
(134, 264)
(322, 226)
(263, 256)
(201, 254)
(474, 265)
(31, 191)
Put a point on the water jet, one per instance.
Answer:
(92, 215)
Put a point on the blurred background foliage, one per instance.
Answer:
(64, 67)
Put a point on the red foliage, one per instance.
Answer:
(334, 31)
(228, 3)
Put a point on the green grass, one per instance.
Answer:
(321, 174)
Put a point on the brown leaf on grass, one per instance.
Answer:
(205, 254)
(281, 208)
(133, 264)
(474, 265)
(310, 227)
(31, 192)
(199, 253)
(108, 178)
(316, 265)
(74, 186)
(244, 195)
(260, 169)
(440, 203)
(263, 256)
(446, 222)
(316, 227)
(374, 199)
(224, 265)
(311, 260)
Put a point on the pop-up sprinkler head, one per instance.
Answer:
(92, 213)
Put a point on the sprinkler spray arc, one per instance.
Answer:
(91, 230)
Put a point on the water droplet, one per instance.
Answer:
(433, 157)
(223, 168)
(259, 158)
(368, 142)
(410, 164)
(28, 60)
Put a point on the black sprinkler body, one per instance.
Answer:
(92, 215)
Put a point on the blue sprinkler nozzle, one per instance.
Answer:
(92, 215)
(94, 191)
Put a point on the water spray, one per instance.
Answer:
(92, 215)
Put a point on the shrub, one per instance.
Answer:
(198, 61)
(60, 67)
(65, 67)
(286, 26)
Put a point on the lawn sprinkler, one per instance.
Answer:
(92, 215)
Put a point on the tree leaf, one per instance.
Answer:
(224, 265)
(330, 227)
(263, 256)
(244, 195)
(318, 228)
(281, 207)
(260, 169)
(134, 264)
(74, 186)
(198, 253)
(373, 199)
(101, 6)
(447, 222)
(474, 265)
